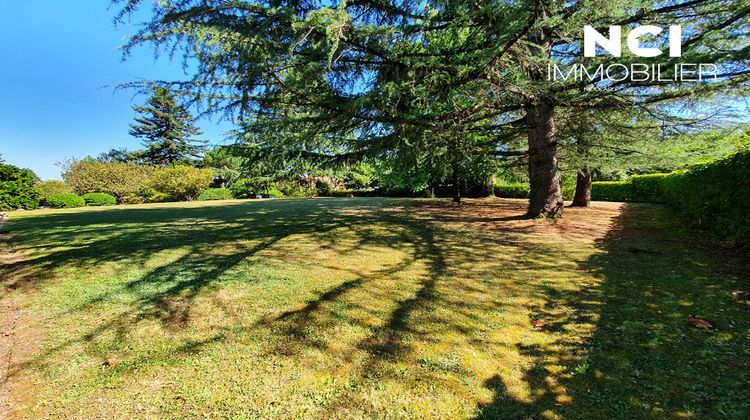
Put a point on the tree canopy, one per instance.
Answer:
(439, 80)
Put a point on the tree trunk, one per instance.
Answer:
(546, 196)
(456, 191)
(456, 182)
(489, 187)
(583, 189)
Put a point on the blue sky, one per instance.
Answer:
(57, 59)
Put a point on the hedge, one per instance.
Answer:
(647, 188)
(99, 199)
(65, 201)
(638, 188)
(512, 190)
(520, 190)
(715, 195)
(216, 194)
(610, 191)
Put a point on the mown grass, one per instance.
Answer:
(375, 308)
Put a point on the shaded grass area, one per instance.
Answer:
(376, 307)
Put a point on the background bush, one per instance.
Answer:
(115, 178)
(610, 191)
(275, 193)
(323, 188)
(53, 186)
(245, 188)
(512, 190)
(18, 188)
(216, 194)
(294, 189)
(65, 201)
(99, 199)
(181, 182)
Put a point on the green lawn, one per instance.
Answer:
(370, 308)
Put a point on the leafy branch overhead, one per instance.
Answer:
(441, 81)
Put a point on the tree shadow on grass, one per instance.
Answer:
(166, 293)
(453, 266)
(427, 316)
(642, 359)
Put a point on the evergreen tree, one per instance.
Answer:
(343, 80)
(122, 155)
(167, 130)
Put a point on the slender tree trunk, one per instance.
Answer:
(582, 197)
(456, 178)
(546, 196)
(456, 191)
(489, 187)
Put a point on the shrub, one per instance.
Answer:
(294, 189)
(714, 195)
(53, 186)
(18, 188)
(147, 194)
(243, 188)
(323, 188)
(366, 193)
(99, 199)
(65, 201)
(216, 194)
(610, 191)
(275, 193)
(341, 193)
(646, 188)
(132, 199)
(181, 183)
(512, 190)
(395, 192)
(568, 186)
(568, 192)
(115, 178)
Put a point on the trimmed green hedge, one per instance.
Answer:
(512, 190)
(216, 194)
(715, 195)
(637, 189)
(99, 199)
(610, 191)
(520, 190)
(647, 188)
(65, 201)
